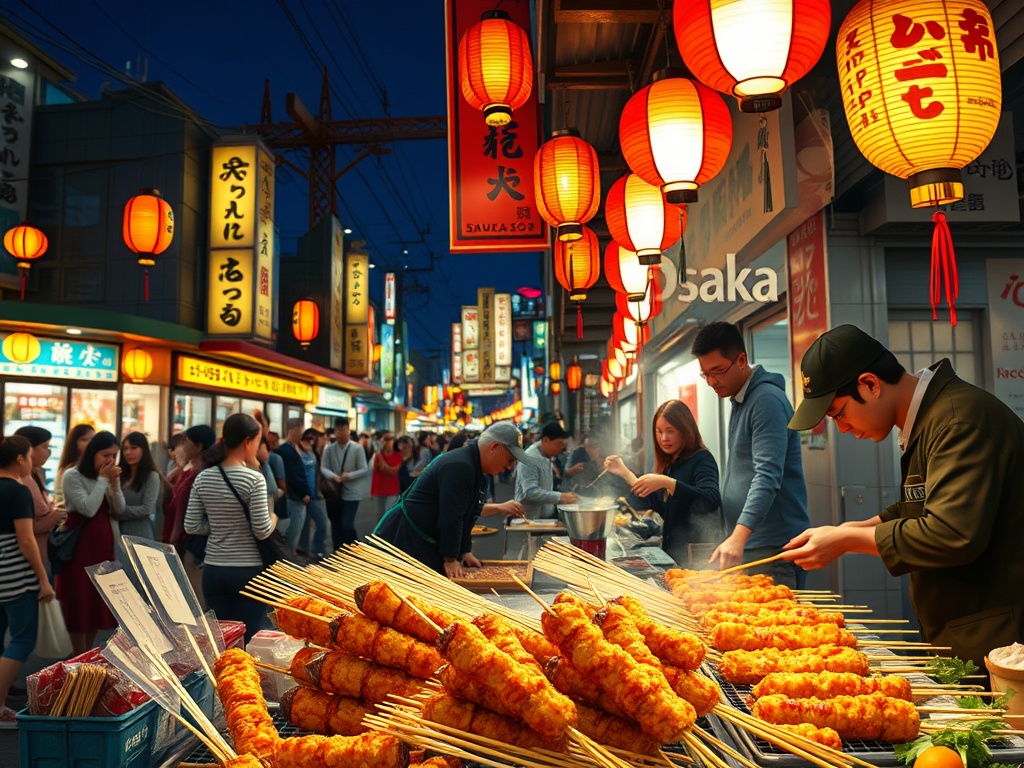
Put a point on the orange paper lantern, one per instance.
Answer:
(753, 49)
(574, 376)
(675, 134)
(639, 219)
(305, 321)
(577, 265)
(148, 229)
(648, 306)
(920, 82)
(495, 67)
(567, 182)
(25, 243)
(624, 272)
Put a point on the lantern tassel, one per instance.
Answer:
(579, 322)
(24, 273)
(145, 285)
(943, 268)
(764, 176)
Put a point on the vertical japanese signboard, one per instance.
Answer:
(16, 99)
(336, 314)
(390, 300)
(485, 303)
(808, 295)
(470, 344)
(490, 169)
(1006, 324)
(357, 301)
(456, 353)
(240, 278)
(387, 357)
(503, 336)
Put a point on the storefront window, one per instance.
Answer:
(96, 406)
(251, 406)
(38, 405)
(190, 410)
(918, 342)
(225, 407)
(769, 348)
(275, 416)
(140, 410)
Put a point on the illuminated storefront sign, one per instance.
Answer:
(503, 336)
(75, 360)
(357, 302)
(240, 277)
(333, 399)
(457, 353)
(213, 375)
(389, 298)
(485, 303)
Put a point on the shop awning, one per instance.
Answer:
(253, 354)
(100, 323)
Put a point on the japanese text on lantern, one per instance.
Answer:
(357, 284)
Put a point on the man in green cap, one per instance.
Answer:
(959, 524)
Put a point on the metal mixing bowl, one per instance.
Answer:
(588, 520)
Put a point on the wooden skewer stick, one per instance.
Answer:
(593, 588)
(961, 711)
(744, 566)
(416, 609)
(533, 594)
(591, 483)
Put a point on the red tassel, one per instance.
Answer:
(145, 286)
(23, 285)
(943, 268)
(579, 321)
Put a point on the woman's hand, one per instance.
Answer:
(453, 569)
(615, 465)
(469, 560)
(650, 483)
(46, 593)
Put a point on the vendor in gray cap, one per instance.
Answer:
(959, 521)
(433, 519)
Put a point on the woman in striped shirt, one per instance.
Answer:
(232, 558)
(23, 581)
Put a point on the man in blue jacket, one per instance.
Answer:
(764, 496)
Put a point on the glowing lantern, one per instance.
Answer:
(137, 364)
(555, 371)
(556, 387)
(305, 321)
(495, 67)
(753, 49)
(574, 376)
(25, 243)
(628, 333)
(378, 350)
(21, 348)
(148, 229)
(921, 89)
(624, 272)
(641, 311)
(567, 182)
(675, 134)
(616, 353)
(639, 219)
(577, 267)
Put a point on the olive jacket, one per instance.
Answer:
(958, 528)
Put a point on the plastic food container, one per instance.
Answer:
(1006, 679)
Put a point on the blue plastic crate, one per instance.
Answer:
(89, 742)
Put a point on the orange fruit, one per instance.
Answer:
(939, 757)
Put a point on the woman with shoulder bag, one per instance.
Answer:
(228, 503)
(92, 494)
(48, 515)
(142, 485)
(683, 488)
(23, 581)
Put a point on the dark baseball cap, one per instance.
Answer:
(553, 431)
(835, 359)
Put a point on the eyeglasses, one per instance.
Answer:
(717, 375)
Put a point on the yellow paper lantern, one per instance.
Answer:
(21, 348)
(137, 364)
(921, 89)
(567, 182)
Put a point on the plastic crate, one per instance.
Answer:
(89, 742)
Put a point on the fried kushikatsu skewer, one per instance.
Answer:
(747, 607)
(536, 644)
(381, 603)
(324, 713)
(716, 580)
(297, 624)
(239, 689)
(748, 667)
(368, 750)
(567, 679)
(733, 636)
(871, 717)
(499, 632)
(342, 673)
(642, 693)
(446, 709)
(365, 637)
(827, 685)
(826, 736)
(680, 649)
(806, 616)
(523, 690)
(694, 597)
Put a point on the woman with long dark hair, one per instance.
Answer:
(683, 488)
(23, 581)
(47, 515)
(141, 484)
(92, 494)
(222, 493)
(74, 446)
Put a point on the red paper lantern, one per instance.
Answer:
(753, 49)
(25, 243)
(495, 67)
(647, 307)
(624, 272)
(305, 321)
(574, 376)
(577, 267)
(556, 387)
(639, 219)
(567, 182)
(148, 229)
(675, 134)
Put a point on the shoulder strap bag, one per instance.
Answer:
(275, 546)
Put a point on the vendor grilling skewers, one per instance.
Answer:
(433, 519)
(959, 522)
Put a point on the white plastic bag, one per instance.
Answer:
(53, 640)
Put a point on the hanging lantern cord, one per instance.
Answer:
(682, 247)
(664, 28)
(23, 271)
(943, 268)
(579, 321)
